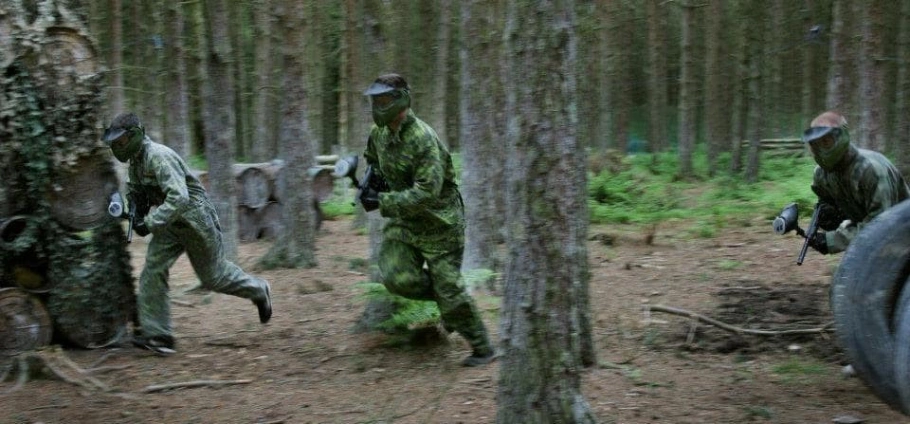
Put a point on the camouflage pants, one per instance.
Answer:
(402, 273)
(198, 233)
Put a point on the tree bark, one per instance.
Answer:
(546, 331)
(481, 162)
(220, 120)
(177, 115)
(716, 110)
(870, 133)
(296, 246)
(902, 101)
(687, 96)
(657, 76)
(263, 147)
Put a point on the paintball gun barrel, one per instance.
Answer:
(788, 220)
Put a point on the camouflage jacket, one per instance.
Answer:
(861, 188)
(423, 203)
(159, 175)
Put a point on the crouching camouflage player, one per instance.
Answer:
(184, 221)
(853, 185)
(425, 213)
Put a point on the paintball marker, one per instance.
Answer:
(368, 186)
(788, 220)
(115, 209)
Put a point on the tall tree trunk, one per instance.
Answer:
(754, 122)
(716, 111)
(546, 318)
(118, 100)
(177, 115)
(480, 45)
(220, 120)
(902, 101)
(837, 91)
(687, 95)
(811, 48)
(296, 246)
(263, 145)
(657, 76)
(872, 79)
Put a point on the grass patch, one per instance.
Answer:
(800, 371)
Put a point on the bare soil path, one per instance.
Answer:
(306, 366)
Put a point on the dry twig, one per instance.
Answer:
(195, 383)
(734, 329)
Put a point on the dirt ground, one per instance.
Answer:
(307, 366)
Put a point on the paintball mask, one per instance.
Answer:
(828, 139)
(124, 136)
(389, 95)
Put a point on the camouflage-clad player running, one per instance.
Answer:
(184, 221)
(425, 213)
(853, 185)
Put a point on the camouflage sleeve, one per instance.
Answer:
(429, 175)
(879, 194)
(370, 152)
(172, 180)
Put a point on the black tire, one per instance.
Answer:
(902, 349)
(865, 292)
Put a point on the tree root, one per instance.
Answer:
(53, 362)
(695, 317)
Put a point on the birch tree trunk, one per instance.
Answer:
(546, 332)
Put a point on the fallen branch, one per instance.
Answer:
(196, 383)
(732, 328)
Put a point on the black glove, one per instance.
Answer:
(369, 198)
(140, 228)
(819, 242)
(829, 217)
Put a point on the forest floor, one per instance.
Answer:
(307, 366)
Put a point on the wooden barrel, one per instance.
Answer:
(24, 323)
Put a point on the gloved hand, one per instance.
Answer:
(369, 198)
(140, 228)
(819, 242)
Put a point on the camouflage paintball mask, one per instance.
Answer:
(389, 95)
(828, 139)
(124, 136)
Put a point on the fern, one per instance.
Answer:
(409, 313)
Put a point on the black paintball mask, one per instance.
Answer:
(124, 136)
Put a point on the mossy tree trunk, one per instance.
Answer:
(58, 176)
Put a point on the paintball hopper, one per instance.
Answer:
(787, 220)
(347, 167)
(115, 208)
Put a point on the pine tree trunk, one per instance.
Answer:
(220, 120)
(545, 323)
